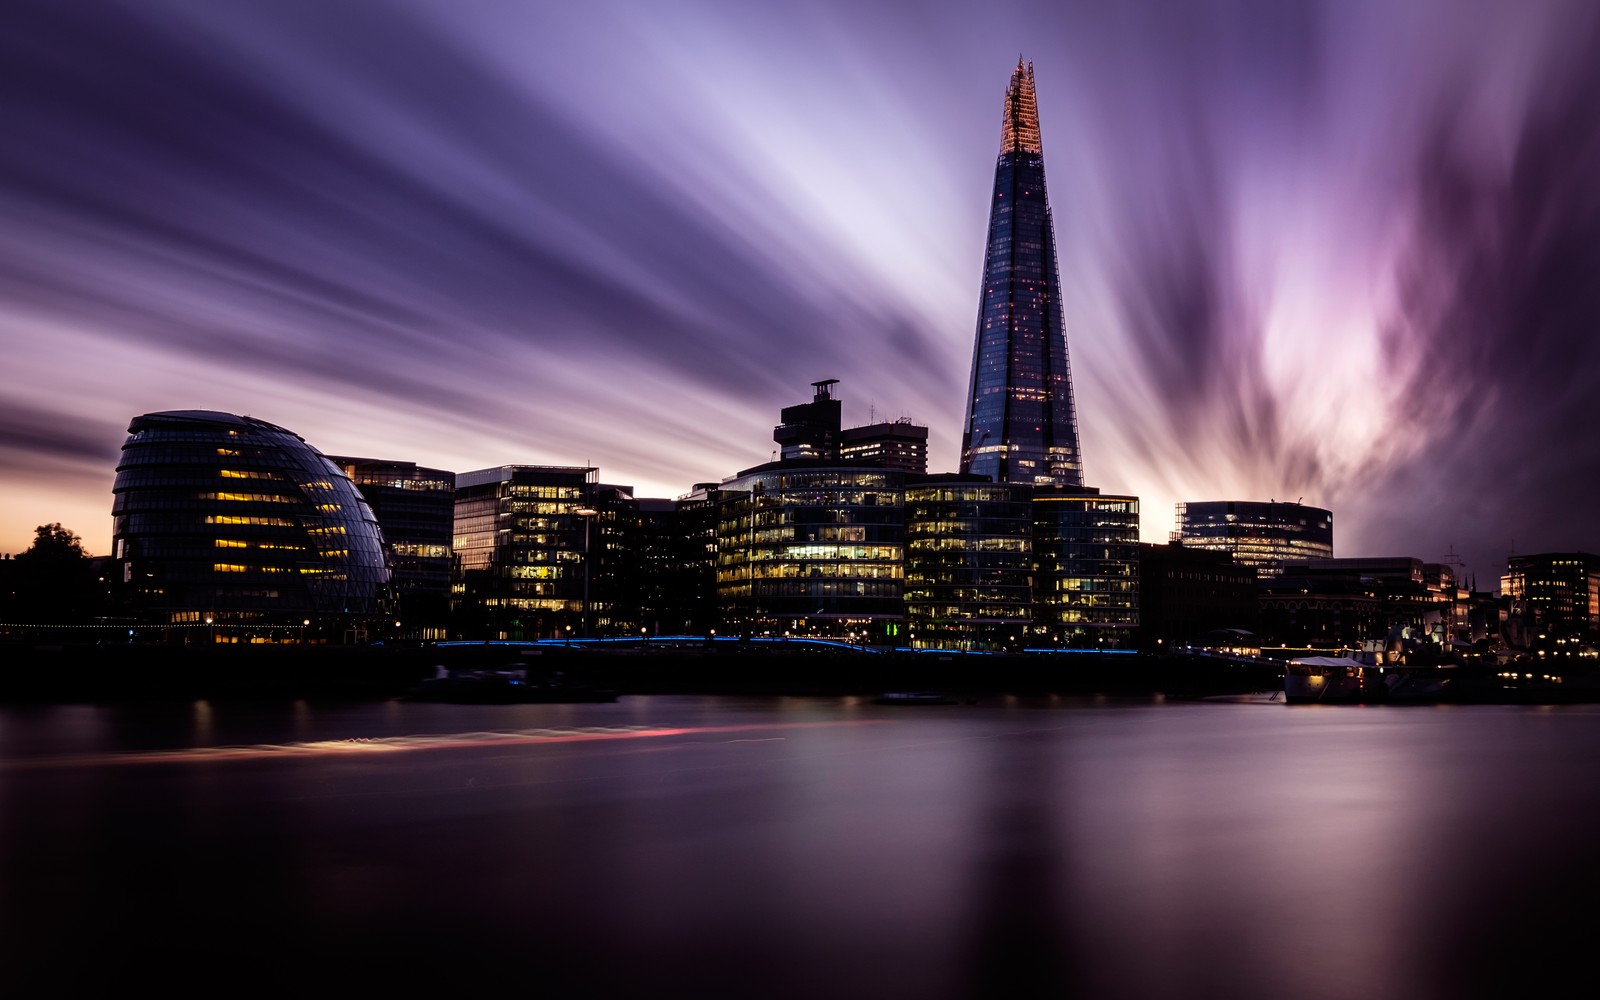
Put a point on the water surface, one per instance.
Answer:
(802, 847)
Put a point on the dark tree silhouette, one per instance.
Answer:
(53, 543)
(53, 582)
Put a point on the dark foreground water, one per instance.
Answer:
(670, 846)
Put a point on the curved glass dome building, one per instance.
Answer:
(234, 521)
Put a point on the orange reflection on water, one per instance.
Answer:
(395, 744)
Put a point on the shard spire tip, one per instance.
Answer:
(1019, 130)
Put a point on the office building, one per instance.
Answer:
(808, 547)
(968, 563)
(1186, 594)
(1553, 595)
(525, 541)
(1263, 536)
(242, 527)
(896, 444)
(1086, 569)
(1020, 425)
(415, 508)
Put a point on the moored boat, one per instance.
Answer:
(509, 685)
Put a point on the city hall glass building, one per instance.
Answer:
(240, 525)
(1020, 424)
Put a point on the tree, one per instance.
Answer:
(53, 581)
(55, 544)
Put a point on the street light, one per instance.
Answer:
(586, 513)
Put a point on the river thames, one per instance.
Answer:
(760, 847)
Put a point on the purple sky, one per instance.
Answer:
(1348, 252)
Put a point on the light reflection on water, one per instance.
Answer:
(807, 846)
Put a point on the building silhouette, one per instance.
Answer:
(1020, 424)
(1186, 593)
(811, 430)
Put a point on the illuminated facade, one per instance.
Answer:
(240, 525)
(1554, 593)
(812, 547)
(525, 538)
(415, 508)
(969, 563)
(1020, 423)
(898, 444)
(1260, 535)
(1086, 576)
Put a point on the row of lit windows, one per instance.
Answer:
(420, 550)
(807, 571)
(276, 522)
(401, 482)
(941, 548)
(533, 604)
(985, 533)
(250, 497)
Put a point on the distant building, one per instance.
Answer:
(415, 507)
(1328, 612)
(969, 563)
(670, 587)
(1020, 425)
(1185, 593)
(696, 517)
(1263, 536)
(1086, 576)
(240, 531)
(526, 537)
(1419, 597)
(896, 444)
(1553, 595)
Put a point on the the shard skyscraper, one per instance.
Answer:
(1021, 426)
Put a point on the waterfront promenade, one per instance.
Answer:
(120, 672)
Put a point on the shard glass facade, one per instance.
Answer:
(1020, 422)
